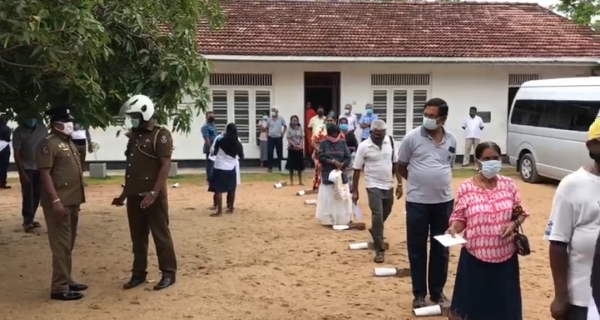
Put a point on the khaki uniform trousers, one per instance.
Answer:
(470, 143)
(154, 219)
(61, 235)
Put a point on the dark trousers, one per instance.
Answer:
(577, 313)
(153, 219)
(423, 222)
(30, 193)
(380, 203)
(209, 167)
(4, 161)
(274, 144)
(61, 236)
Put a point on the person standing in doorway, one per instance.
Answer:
(351, 117)
(276, 127)
(426, 160)
(366, 120)
(377, 156)
(572, 231)
(149, 162)
(5, 133)
(209, 133)
(308, 115)
(263, 142)
(63, 193)
(83, 141)
(26, 137)
(473, 126)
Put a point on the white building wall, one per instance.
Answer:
(461, 85)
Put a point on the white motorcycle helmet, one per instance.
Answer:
(139, 104)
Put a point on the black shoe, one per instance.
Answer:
(134, 282)
(66, 296)
(36, 224)
(74, 286)
(439, 299)
(165, 283)
(379, 257)
(419, 302)
(29, 228)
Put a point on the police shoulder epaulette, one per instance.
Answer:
(49, 136)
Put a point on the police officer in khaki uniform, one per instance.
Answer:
(149, 153)
(62, 193)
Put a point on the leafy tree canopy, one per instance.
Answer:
(92, 54)
(580, 11)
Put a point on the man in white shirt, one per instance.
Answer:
(473, 126)
(572, 231)
(352, 118)
(317, 122)
(377, 156)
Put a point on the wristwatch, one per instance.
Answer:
(154, 194)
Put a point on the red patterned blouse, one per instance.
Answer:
(484, 212)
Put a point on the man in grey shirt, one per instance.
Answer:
(25, 140)
(425, 160)
(276, 127)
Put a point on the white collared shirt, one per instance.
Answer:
(377, 163)
(352, 121)
(473, 127)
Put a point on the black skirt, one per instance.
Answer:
(486, 291)
(222, 181)
(295, 160)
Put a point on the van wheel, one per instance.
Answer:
(527, 169)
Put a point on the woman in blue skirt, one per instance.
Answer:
(487, 285)
(227, 150)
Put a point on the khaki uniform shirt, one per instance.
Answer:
(144, 149)
(62, 158)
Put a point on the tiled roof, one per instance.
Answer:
(396, 29)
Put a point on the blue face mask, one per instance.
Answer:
(273, 114)
(265, 117)
(346, 111)
(430, 124)
(344, 127)
(135, 123)
(369, 111)
(490, 168)
(31, 122)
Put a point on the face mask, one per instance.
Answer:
(295, 122)
(490, 168)
(273, 114)
(328, 125)
(31, 122)
(430, 124)
(595, 156)
(68, 128)
(265, 117)
(344, 127)
(135, 123)
(346, 112)
(369, 111)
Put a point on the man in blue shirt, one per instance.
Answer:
(365, 122)
(209, 133)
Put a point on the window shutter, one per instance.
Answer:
(418, 106)
(241, 114)
(219, 109)
(400, 103)
(380, 104)
(262, 106)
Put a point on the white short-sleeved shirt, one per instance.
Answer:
(316, 124)
(575, 220)
(473, 127)
(377, 163)
(592, 311)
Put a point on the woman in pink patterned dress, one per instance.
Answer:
(487, 285)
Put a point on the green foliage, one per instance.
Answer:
(581, 12)
(92, 54)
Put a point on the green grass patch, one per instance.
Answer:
(261, 177)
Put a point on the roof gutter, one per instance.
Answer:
(532, 60)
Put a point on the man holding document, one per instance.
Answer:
(377, 156)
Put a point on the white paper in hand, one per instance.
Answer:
(357, 212)
(448, 241)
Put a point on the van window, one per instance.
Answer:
(555, 114)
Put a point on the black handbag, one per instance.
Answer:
(521, 240)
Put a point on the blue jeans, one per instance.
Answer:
(209, 168)
(423, 222)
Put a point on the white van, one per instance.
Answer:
(548, 124)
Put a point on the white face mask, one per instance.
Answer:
(490, 168)
(430, 124)
(68, 128)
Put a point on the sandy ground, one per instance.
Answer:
(269, 260)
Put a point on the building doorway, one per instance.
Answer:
(323, 89)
